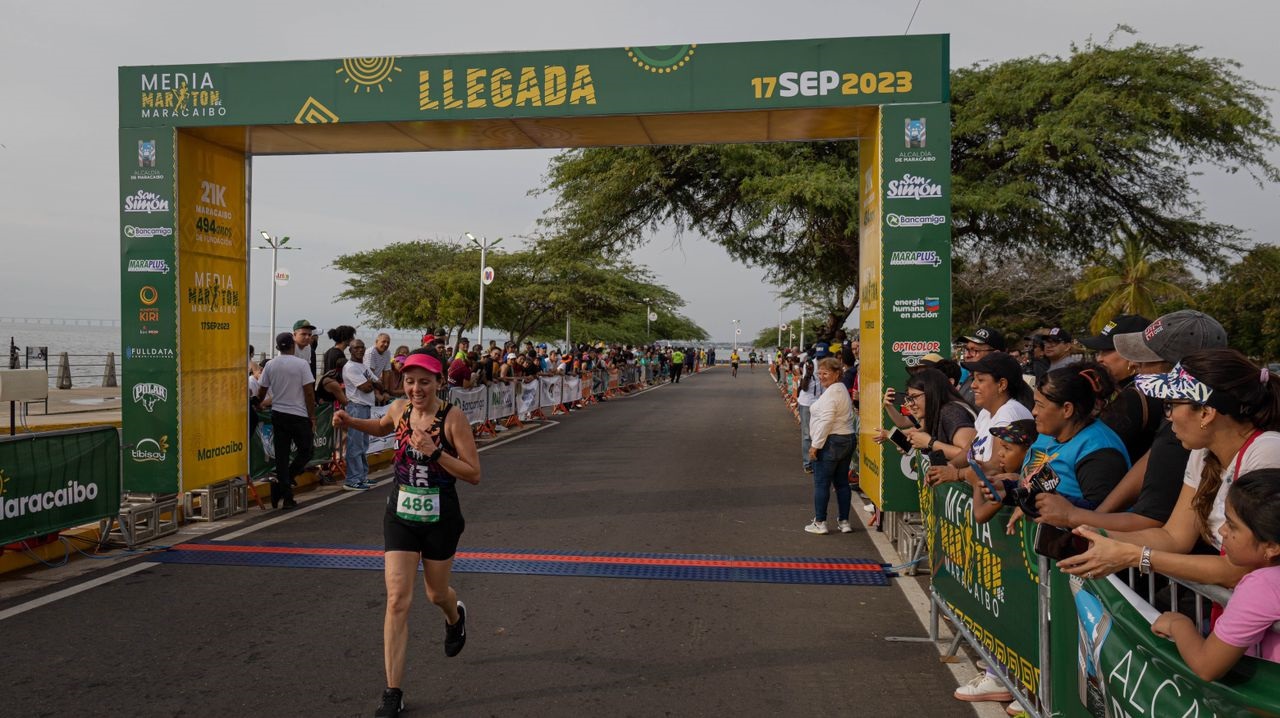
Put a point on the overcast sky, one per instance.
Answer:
(58, 124)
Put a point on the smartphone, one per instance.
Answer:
(1057, 543)
(901, 440)
(982, 476)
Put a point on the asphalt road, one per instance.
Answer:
(710, 466)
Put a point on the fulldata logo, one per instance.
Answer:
(148, 394)
(148, 353)
(145, 202)
(925, 258)
(150, 450)
(915, 132)
(158, 266)
(913, 187)
(913, 220)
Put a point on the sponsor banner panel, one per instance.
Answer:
(870, 377)
(1122, 669)
(549, 390)
(148, 309)
(915, 244)
(528, 396)
(502, 400)
(838, 72)
(471, 402)
(212, 280)
(572, 388)
(54, 481)
(983, 575)
(262, 453)
(380, 443)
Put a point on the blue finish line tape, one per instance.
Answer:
(673, 567)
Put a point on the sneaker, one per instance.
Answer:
(1015, 709)
(455, 636)
(982, 665)
(817, 527)
(869, 508)
(392, 703)
(355, 486)
(983, 688)
(808, 468)
(845, 527)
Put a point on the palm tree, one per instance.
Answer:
(1131, 281)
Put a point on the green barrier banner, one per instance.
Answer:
(57, 480)
(984, 576)
(262, 460)
(1122, 669)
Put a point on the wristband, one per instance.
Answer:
(435, 455)
(1144, 564)
(932, 442)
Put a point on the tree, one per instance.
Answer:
(1131, 281)
(407, 285)
(1015, 296)
(1048, 155)
(1247, 302)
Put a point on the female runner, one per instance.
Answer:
(434, 448)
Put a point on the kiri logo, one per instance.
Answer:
(157, 266)
(913, 220)
(913, 187)
(925, 258)
(145, 202)
(148, 394)
(150, 450)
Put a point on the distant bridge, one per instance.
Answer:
(62, 321)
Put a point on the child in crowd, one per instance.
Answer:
(1010, 450)
(1250, 539)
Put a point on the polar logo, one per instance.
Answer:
(913, 187)
(148, 394)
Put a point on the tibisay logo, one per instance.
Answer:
(145, 202)
(147, 394)
(913, 220)
(148, 450)
(158, 266)
(913, 187)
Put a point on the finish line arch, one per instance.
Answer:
(188, 134)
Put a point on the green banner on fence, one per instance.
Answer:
(57, 480)
(984, 576)
(262, 460)
(1122, 669)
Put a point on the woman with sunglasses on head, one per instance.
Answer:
(423, 520)
(1226, 410)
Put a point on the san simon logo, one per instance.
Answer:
(180, 94)
(661, 59)
(13, 505)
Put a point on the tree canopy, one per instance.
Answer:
(1049, 156)
(1247, 302)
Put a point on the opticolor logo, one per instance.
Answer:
(73, 493)
(912, 351)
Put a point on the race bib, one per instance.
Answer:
(418, 504)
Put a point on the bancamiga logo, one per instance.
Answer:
(133, 232)
(145, 202)
(150, 450)
(913, 187)
(158, 266)
(12, 507)
(913, 220)
(148, 394)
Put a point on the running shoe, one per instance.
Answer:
(392, 703)
(983, 687)
(845, 527)
(817, 527)
(355, 486)
(455, 636)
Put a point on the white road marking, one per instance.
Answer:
(79, 588)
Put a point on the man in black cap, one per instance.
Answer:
(1134, 417)
(293, 408)
(1057, 348)
(978, 344)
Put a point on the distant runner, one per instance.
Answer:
(733, 361)
(751, 361)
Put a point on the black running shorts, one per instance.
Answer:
(435, 541)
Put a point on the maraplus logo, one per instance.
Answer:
(73, 493)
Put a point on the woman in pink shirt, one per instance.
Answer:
(1250, 540)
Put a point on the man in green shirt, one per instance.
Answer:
(677, 365)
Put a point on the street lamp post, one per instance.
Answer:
(484, 244)
(779, 323)
(275, 244)
(735, 335)
(646, 319)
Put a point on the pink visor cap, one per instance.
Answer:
(423, 361)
